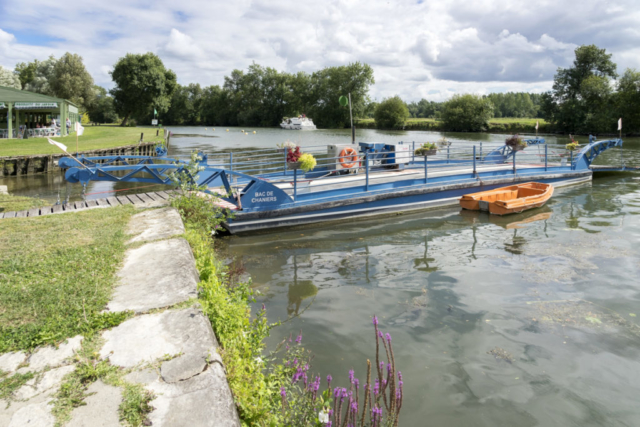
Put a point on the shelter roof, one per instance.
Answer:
(9, 94)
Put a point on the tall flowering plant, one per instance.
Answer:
(371, 405)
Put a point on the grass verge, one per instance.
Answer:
(227, 306)
(498, 124)
(57, 273)
(9, 203)
(95, 137)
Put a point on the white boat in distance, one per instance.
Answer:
(298, 123)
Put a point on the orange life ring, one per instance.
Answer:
(351, 154)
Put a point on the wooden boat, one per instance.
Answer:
(507, 200)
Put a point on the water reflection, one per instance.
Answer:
(451, 287)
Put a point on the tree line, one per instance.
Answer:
(587, 97)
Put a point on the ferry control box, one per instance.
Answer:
(375, 151)
(400, 154)
(334, 151)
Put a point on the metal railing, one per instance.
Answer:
(455, 164)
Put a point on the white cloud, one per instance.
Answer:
(430, 49)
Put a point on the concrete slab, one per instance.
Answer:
(156, 275)
(149, 337)
(51, 356)
(182, 368)
(101, 409)
(181, 403)
(9, 362)
(33, 415)
(47, 384)
(155, 224)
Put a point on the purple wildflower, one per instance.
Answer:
(375, 320)
(380, 334)
(388, 367)
(354, 407)
(299, 339)
(388, 337)
(336, 392)
(283, 392)
(263, 307)
(351, 373)
(381, 365)
(376, 387)
(357, 383)
(329, 378)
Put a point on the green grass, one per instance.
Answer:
(10, 203)
(10, 384)
(95, 137)
(526, 121)
(57, 274)
(519, 120)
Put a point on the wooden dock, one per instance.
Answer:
(142, 199)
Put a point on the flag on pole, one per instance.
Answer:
(620, 123)
(79, 129)
(57, 144)
(155, 112)
(537, 124)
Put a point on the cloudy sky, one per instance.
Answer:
(417, 49)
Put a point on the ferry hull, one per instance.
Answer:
(386, 203)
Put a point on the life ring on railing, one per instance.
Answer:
(351, 154)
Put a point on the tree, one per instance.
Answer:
(391, 113)
(327, 85)
(467, 113)
(102, 110)
(44, 71)
(628, 100)
(9, 79)
(581, 98)
(72, 81)
(26, 72)
(142, 84)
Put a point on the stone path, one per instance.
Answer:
(171, 352)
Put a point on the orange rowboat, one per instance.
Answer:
(507, 200)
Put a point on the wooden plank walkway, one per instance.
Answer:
(141, 199)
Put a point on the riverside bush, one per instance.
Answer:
(391, 113)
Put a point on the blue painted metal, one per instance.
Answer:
(504, 153)
(256, 194)
(587, 155)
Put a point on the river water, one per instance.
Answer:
(526, 320)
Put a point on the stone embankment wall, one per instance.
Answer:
(43, 163)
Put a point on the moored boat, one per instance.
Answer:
(508, 200)
(298, 123)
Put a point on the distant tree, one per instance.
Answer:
(628, 100)
(44, 72)
(391, 113)
(72, 81)
(329, 84)
(102, 110)
(581, 98)
(9, 79)
(467, 113)
(424, 109)
(142, 84)
(26, 72)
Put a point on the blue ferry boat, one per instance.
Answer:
(264, 192)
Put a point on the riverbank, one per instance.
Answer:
(496, 125)
(133, 363)
(36, 155)
(94, 138)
